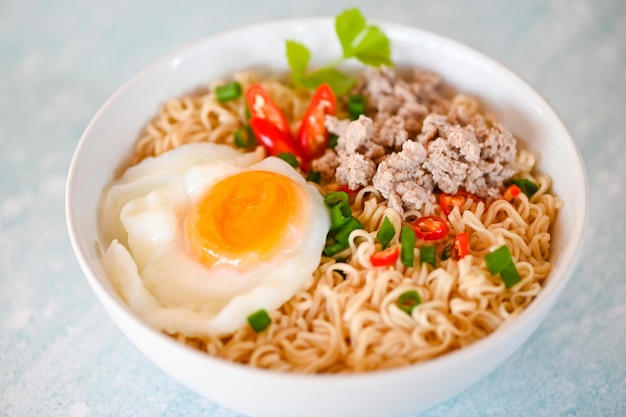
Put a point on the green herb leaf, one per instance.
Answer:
(298, 57)
(338, 81)
(349, 25)
(364, 42)
(374, 49)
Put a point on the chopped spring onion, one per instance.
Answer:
(332, 140)
(342, 222)
(408, 301)
(259, 321)
(428, 254)
(244, 137)
(344, 233)
(334, 248)
(385, 233)
(446, 251)
(528, 187)
(289, 158)
(510, 275)
(501, 262)
(356, 106)
(228, 91)
(407, 243)
(340, 214)
(314, 176)
(498, 259)
(335, 198)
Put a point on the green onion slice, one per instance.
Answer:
(501, 262)
(334, 248)
(510, 275)
(244, 137)
(340, 214)
(498, 260)
(356, 106)
(407, 244)
(446, 252)
(528, 187)
(259, 321)
(332, 140)
(314, 176)
(228, 91)
(344, 233)
(385, 233)
(428, 254)
(289, 158)
(335, 198)
(408, 301)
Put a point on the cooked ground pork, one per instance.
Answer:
(418, 142)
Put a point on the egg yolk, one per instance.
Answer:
(243, 218)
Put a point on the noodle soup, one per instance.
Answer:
(346, 314)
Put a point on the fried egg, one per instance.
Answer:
(202, 236)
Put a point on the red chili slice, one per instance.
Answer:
(430, 228)
(385, 258)
(461, 245)
(262, 106)
(449, 201)
(274, 141)
(511, 192)
(313, 136)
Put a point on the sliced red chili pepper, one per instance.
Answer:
(511, 192)
(461, 245)
(430, 228)
(385, 258)
(262, 106)
(313, 135)
(274, 141)
(449, 201)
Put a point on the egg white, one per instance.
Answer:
(142, 222)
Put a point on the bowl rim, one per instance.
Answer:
(551, 290)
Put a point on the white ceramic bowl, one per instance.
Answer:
(109, 139)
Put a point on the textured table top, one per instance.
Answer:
(60, 354)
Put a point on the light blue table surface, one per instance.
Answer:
(61, 355)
